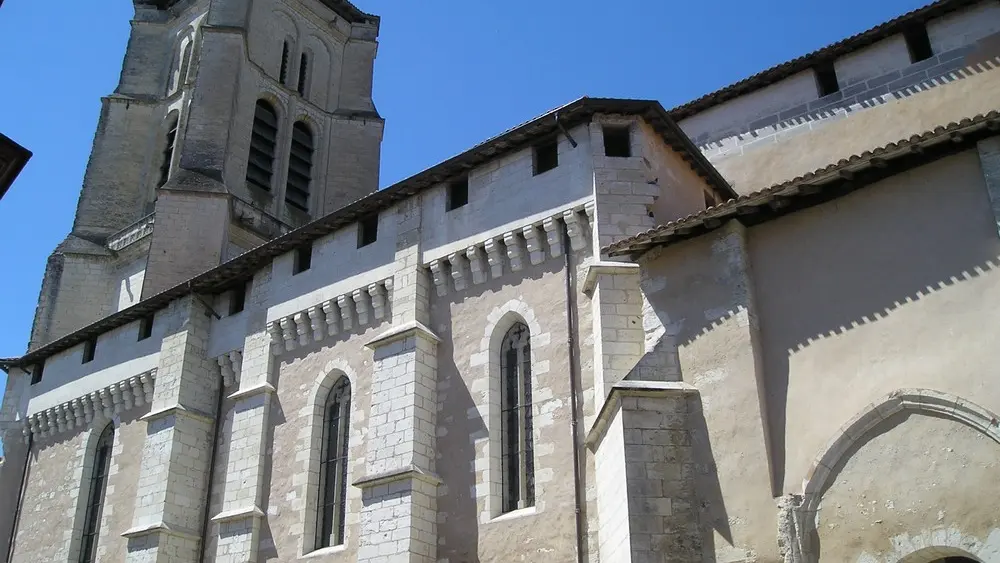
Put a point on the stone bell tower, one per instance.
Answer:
(233, 122)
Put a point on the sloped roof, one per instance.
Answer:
(13, 158)
(836, 180)
(843, 47)
(242, 268)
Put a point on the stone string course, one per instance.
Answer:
(511, 249)
(330, 317)
(114, 399)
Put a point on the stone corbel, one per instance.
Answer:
(288, 333)
(302, 327)
(344, 304)
(513, 251)
(331, 314)
(577, 237)
(456, 260)
(277, 342)
(317, 320)
(440, 281)
(476, 264)
(377, 294)
(536, 252)
(553, 235)
(495, 258)
(361, 299)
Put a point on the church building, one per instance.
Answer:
(759, 327)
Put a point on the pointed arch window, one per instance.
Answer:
(283, 71)
(303, 73)
(333, 466)
(168, 150)
(95, 499)
(300, 167)
(263, 138)
(517, 444)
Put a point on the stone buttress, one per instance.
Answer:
(173, 476)
(399, 489)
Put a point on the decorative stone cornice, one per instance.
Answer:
(102, 404)
(328, 318)
(511, 250)
(132, 233)
(600, 268)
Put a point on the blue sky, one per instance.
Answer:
(448, 75)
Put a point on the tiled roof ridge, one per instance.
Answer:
(844, 46)
(726, 209)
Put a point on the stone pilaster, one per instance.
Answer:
(173, 475)
(399, 489)
(644, 463)
(616, 301)
(238, 525)
(989, 159)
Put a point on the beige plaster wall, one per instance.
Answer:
(879, 125)
(892, 286)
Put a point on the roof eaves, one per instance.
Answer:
(242, 267)
(832, 51)
(844, 173)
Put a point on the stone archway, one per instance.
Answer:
(798, 513)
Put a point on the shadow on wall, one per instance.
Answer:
(712, 514)
(822, 272)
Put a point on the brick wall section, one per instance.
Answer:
(169, 502)
(989, 159)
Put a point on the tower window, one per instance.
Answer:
(146, 327)
(237, 299)
(89, 349)
(303, 73)
(168, 151)
(367, 230)
(458, 194)
(302, 260)
(95, 500)
(617, 141)
(546, 156)
(918, 43)
(262, 141)
(283, 71)
(333, 466)
(36, 373)
(517, 443)
(826, 79)
(299, 167)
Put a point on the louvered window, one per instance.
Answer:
(518, 460)
(299, 167)
(283, 73)
(333, 466)
(168, 152)
(95, 500)
(262, 142)
(303, 73)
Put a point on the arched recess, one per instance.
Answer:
(927, 401)
(325, 383)
(90, 501)
(316, 84)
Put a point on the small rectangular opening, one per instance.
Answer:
(237, 299)
(826, 79)
(36, 373)
(89, 349)
(145, 327)
(617, 141)
(918, 43)
(303, 259)
(367, 230)
(546, 156)
(458, 194)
